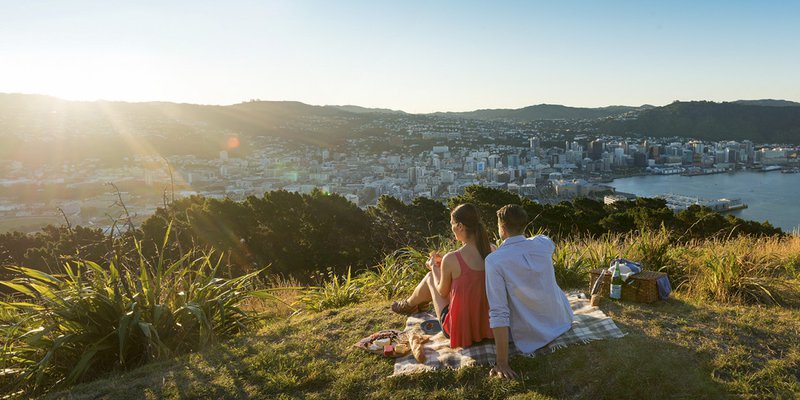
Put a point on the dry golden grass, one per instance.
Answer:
(284, 302)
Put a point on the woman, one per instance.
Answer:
(456, 283)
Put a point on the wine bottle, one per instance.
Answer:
(616, 284)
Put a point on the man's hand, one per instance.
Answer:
(503, 371)
(501, 367)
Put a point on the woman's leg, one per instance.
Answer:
(422, 293)
(439, 302)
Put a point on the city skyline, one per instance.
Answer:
(413, 57)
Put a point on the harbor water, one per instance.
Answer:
(770, 196)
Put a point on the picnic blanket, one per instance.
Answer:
(589, 324)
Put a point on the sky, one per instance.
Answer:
(416, 56)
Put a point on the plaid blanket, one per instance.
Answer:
(589, 324)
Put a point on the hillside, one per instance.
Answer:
(79, 129)
(769, 103)
(169, 320)
(364, 110)
(678, 349)
(714, 121)
(544, 112)
(39, 129)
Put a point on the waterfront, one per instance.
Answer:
(770, 196)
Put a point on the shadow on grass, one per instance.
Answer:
(747, 350)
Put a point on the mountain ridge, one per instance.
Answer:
(24, 117)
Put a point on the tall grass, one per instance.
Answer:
(335, 292)
(89, 319)
(398, 273)
(743, 270)
(732, 270)
(572, 263)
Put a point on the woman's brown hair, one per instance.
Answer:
(467, 215)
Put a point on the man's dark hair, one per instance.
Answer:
(513, 218)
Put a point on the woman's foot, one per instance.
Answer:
(404, 307)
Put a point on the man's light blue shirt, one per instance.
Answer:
(523, 293)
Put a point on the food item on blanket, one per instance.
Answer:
(382, 341)
(373, 347)
(388, 350)
(417, 342)
(401, 349)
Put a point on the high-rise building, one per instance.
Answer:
(493, 160)
(534, 144)
(639, 159)
(412, 175)
(512, 160)
(597, 147)
(748, 152)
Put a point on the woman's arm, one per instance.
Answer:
(443, 277)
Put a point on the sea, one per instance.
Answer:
(770, 196)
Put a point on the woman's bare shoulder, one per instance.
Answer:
(451, 257)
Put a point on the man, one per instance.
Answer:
(524, 297)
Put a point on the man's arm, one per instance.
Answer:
(501, 367)
(499, 318)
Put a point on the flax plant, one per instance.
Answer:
(91, 319)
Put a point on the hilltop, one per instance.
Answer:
(227, 328)
(678, 348)
(546, 112)
(706, 120)
(112, 130)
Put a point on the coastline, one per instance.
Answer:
(769, 197)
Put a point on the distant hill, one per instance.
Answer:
(768, 103)
(714, 121)
(545, 112)
(364, 110)
(39, 128)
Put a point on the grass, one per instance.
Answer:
(398, 273)
(741, 270)
(680, 348)
(730, 330)
(334, 292)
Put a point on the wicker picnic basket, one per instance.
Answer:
(643, 289)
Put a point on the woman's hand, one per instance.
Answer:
(434, 260)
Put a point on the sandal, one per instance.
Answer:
(403, 307)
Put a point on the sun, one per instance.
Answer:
(86, 76)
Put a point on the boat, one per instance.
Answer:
(790, 170)
(770, 168)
